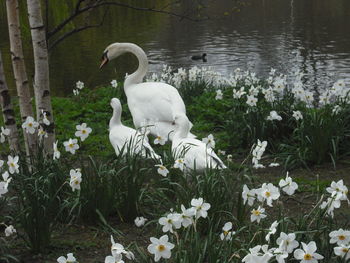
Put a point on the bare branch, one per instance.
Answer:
(99, 3)
(76, 30)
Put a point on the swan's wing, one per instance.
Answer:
(155, 100)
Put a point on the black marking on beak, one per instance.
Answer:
(104, 59)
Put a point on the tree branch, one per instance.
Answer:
(76, 30)
(99, 3)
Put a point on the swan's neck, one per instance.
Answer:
(139, 74)
(116, 118)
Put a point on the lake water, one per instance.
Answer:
(312, 36)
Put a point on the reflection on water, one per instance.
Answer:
(310, 36)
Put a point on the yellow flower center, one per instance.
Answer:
(341, 237)
(159, 138)
(226, 233)
(256, 212)
(268, 194)
(76, 182)
(170, 221)
(180, 161)
(307, 257)
(83, 131)
(162, 167)
(71, 145)
(161, 248)
(30, 124)
(345, 250)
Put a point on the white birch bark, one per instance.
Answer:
(19, 71)
(8, 112)
(41, 78)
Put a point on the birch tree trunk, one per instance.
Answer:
(41, 79)
(19, 70)
(8, 112)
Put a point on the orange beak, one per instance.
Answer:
(104, 61)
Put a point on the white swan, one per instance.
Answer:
(196, 154)
(153, 104)
(124, 138)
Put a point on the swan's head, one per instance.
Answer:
(115, 104)
(111, 52)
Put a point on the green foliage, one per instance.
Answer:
(38, 187)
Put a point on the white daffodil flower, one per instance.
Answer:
(343, 251)
(248, 195)
(219, 95)
(71, 145)
(114, 259)
(272, 230)
(9, 230)
(4, 132)
(200, 207)
(161, 248)
(255, 256)
(12, 163)
(118, 249)
(30, 125)
(75, 92)
(308, 253)
(180, 164)
(336, 110)
(75, 179)
(187, 216)
(274, 116)
(209, 141)
(45, 119)
(70, 259)
(159, 140)
(56, 152)
(274, 164)
(297, 115)
(287, 185)
(221, 152)
(338, 190)
(257, 214)
(340, 236)
(226, 232)
(268, 192)
(237, 94)
(3, 188)
(140, 221)
(162, 170)
(42, 133)
(251, 100)
(83, 131)
(79, 85)
(287, 242)
(5, 177)
(114, 83)
(170, 222)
